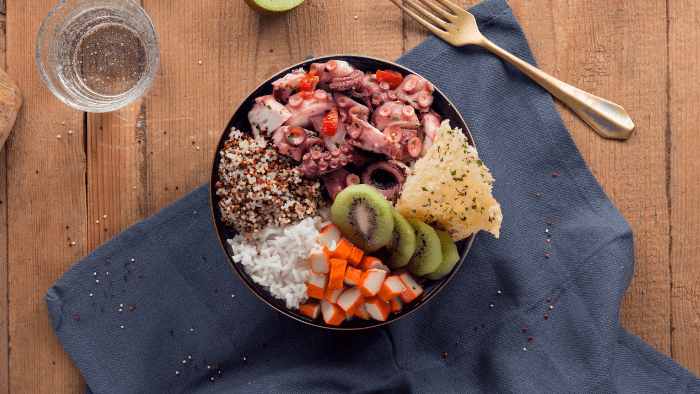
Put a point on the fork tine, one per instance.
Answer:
(443, 14)
(452, 7)
(435, 20)
(435, 30)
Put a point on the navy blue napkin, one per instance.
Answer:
(161, 310)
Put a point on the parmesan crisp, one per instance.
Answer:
(450, 188)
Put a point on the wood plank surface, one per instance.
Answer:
(117, 168)
(46, 206)
(617, 50)
(4, 304)
(684, 185)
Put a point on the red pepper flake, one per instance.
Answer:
(77, 317)
(493, 300)
(525, 329)
(131, 308)
(217, 367)
(547, 255)
(215, 288)
(444, 355)
(549, 299)
(266, 360)
(538, 194)
(530, 338)
(166, 188)
(549, 222)
(554, 175)
(546, 316)
(483, 324)
(140, 275)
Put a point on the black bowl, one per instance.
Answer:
(441, 105)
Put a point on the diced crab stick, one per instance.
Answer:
(396, 304)
(350, 299)
(413, 289)
(342, 249)
(320, 260)
(379, 266)
(329, 235)
(311, 309)
(377, 309)
(361, 312)
(391, 288)
(366, 262)
(332, 295)
(371, 281)
(335, 279)
(352, 276)
(332, 314)
(355, 256)
(316, 285)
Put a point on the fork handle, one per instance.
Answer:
(607, 118)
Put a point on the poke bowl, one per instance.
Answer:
(241, 174)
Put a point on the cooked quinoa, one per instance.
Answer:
(258, 187)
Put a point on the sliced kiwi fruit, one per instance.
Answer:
(428, 253)
(450, 256)
(402, 243)
(272, 7)
(364, 217)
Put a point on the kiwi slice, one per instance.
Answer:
(402, 243)
(428, 254)
(364, 217)
(272, 7)
(450, 256)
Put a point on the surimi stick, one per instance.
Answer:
(413, 289)
(335, 279)
(311, 309)
(366, 261)
(342, 250)
(332, 295)
(396, 304)
(350, 299)
(329, 235)
(371, 282)
(320, 260)
(391, 288)
(316, 285)
(378, 265)
(378, 309)
(355, 256)
(352, 276)
(361, 312)
(332, 314)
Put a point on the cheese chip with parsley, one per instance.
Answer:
(450, 188)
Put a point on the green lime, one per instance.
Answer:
(272, 7)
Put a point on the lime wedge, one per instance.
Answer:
(272, 7)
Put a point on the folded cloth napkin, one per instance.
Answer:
(162, 311)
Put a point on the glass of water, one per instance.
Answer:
(97, 55)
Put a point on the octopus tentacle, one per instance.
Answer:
(316, 162)
(347, 82)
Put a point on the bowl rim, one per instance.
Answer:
(263, 294)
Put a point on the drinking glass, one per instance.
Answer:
(97, 55)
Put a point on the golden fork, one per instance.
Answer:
(458, 27)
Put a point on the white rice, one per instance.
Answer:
(282, 267)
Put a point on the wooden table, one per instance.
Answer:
(69, 181)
